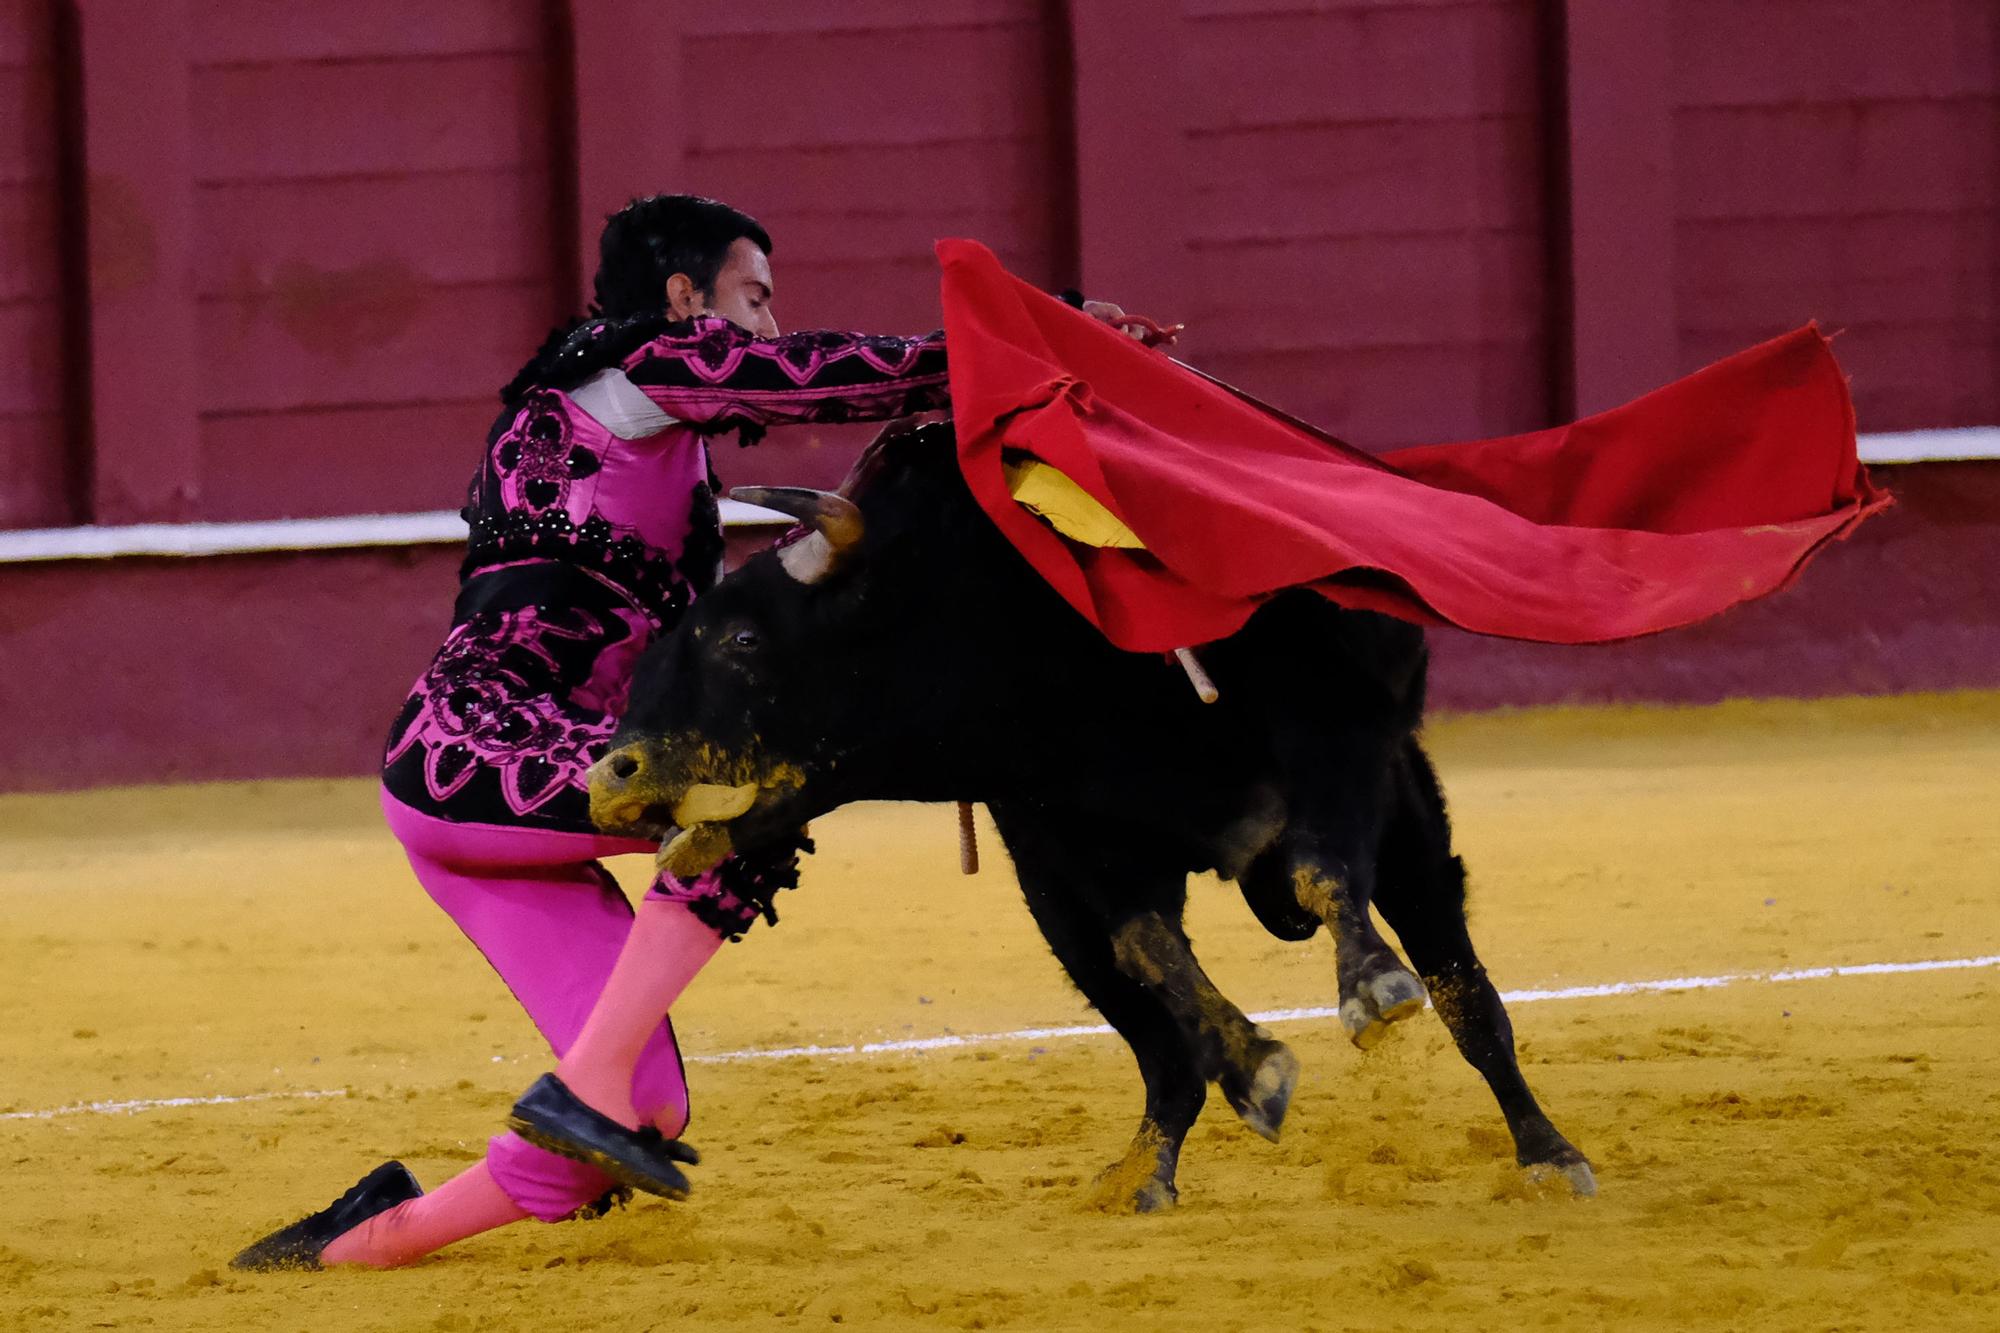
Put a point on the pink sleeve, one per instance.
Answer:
(713, 374)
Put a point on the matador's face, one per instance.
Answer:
(742, 292)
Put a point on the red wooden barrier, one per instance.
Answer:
(1134, 194)
(36, 481)
(1842, 162)
(1622, 318)
(379, 245)
(318, 237)
(139, 212)
(627, 130)
(1367, 225)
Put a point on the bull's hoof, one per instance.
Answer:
(1142, 1181)
(1264, 1098)
(1396, 995)
(1554, 1177)
(1131, 1185)
(1156, 1196)
(1577, 1175)
(1385, 998)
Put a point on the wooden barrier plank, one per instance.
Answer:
(939, 85)
(1838, 160)
(444, 113)
(1768, 52)
(474, 226)
(629, 100)
(1129, 62)
(37, 482)
(1620, 189)
(767, 18)
(34, 471)
(1477, 173)
(314, 463)
(249, 31)
(1385, 64)
(31, 360)
(139, 219)
(375, 337)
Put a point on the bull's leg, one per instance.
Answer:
(1142, 1180)
(1255, 1070)
(1136, 896)
(1376, 988)
(1336, 767)
(1329, 855)
(1423, 899)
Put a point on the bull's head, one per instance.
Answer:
(865, 657)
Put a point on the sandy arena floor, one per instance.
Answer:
(1798, 1154)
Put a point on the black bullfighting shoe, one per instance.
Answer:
(300, 1245)
(550, 1116)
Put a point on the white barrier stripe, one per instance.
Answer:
(439, 526)
(164, 1103)
(954, 1041)
(1949, 445)
(434, 527)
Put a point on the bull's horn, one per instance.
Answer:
(708, 803)
(695, 850)
(835, 522)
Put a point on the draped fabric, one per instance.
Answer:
(1711, 491)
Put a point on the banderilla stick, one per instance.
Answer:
(1203, 684)
(968, 840)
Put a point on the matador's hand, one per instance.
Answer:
(1148, 331)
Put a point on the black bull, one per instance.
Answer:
(904, 651)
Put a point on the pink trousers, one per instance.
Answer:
(551, 921)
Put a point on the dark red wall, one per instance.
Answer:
(272, 261)
(1839, 160)
(34, 480)
(280, 256)
(292, 665)
(375, 244)
(1367, 212)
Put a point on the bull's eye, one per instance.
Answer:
(744, 638)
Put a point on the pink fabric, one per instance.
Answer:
(465, 1205)
(552, 924)
(500, 723)
(667, 947)
(639, 486)
(706, 375)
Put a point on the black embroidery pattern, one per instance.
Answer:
(536, 461)
(493, 710)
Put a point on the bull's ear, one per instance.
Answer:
(834, 523)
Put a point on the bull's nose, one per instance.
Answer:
(620, 769)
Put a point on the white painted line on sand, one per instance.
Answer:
(952, 1042)
(165, 1103)
(921, 1044)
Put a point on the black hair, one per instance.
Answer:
(649, 240)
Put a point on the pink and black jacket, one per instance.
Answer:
(594, 523)
(599, 466)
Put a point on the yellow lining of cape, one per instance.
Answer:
(1068, 508)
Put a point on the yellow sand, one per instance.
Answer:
(1812, 1154)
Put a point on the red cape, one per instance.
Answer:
(1675, 507)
